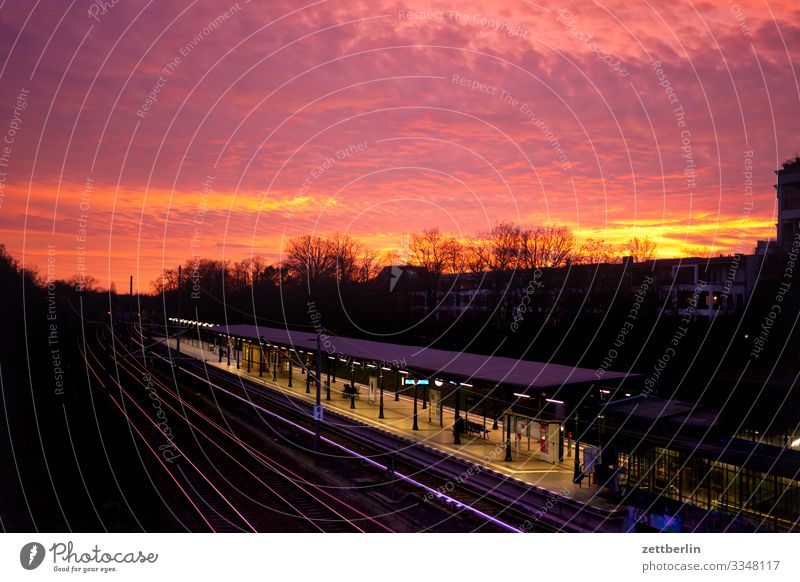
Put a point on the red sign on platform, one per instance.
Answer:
(543, 437)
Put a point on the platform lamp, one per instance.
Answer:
(508, 435)
(414, 382)
(457, 415)
(496, 415)
(577, 474)
(291, 366)
(374, 367)
(249, 355)
(344, 361)
(380, 380)
(269, 364)
(424, 382)
(328, 381)
(261, 342)
(439, 383)
(466, 400)
(397, 383)
(308, 372)
(353, 383)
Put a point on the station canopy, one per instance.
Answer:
(495, 370)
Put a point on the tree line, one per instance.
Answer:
(313, 260)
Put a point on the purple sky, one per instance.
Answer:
(381, 119)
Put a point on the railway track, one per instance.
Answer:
(231, 484)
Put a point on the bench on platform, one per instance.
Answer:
(350, 391)
(469, 427)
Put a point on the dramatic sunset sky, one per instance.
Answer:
(276, 119)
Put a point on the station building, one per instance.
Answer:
(788, 192)
(671, 456)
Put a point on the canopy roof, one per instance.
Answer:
(465, 366)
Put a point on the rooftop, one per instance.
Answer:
(492, 369)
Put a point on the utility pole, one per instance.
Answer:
(352, 385)
(577, 474)
(178, 335)
(457, 423)
(416, 426)
(508, 436)
(133, 303)
(328, 381)
(261, 357)
(318, 415)
(380, 410)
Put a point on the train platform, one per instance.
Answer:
(485, 451)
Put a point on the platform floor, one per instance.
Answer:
(398, 418)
